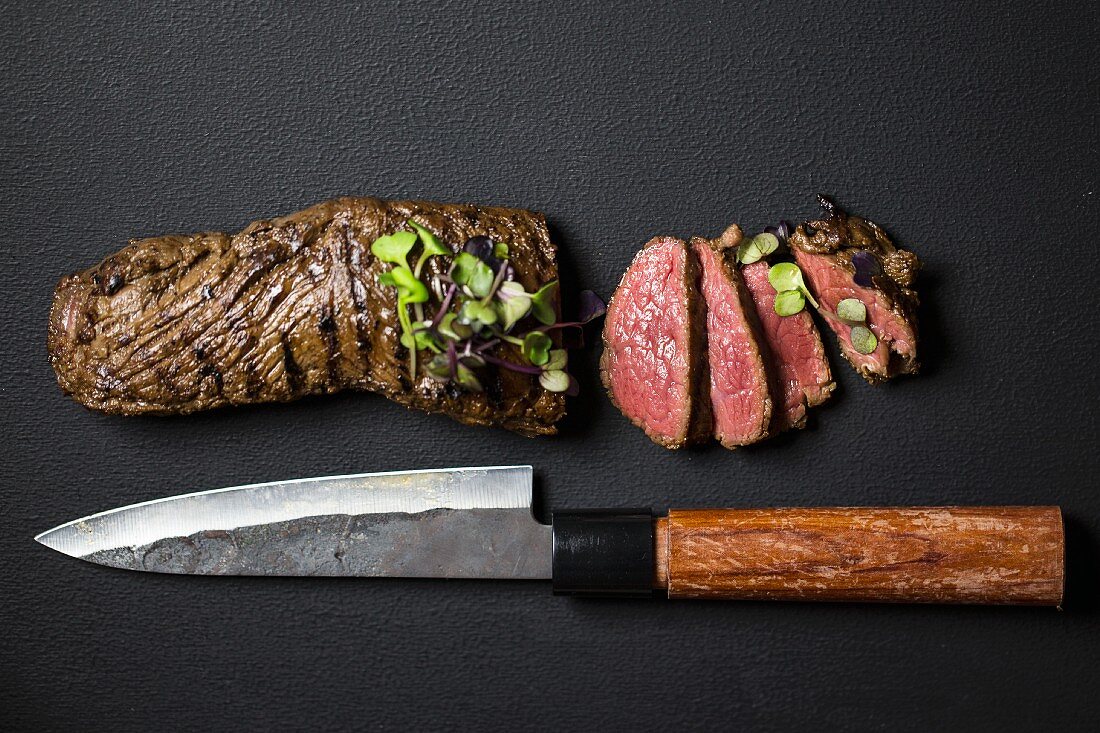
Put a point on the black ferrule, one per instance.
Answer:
(605, 552)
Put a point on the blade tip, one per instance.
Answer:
(49, 539)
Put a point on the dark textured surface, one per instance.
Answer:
(969, 133)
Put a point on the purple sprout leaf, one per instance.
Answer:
(866, 266)
(482, 247)
(591, 307)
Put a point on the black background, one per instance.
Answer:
(971, 133)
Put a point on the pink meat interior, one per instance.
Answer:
(647, 340)
(798, 356)
(738, 384)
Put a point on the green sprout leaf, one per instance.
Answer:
(500, 250)
(421, 338)
(512, 289)
(789, 302)
(439, 368)
(766, 243)
(786, 276)
(467, 379)
(477, 315)
(409, 289)
(473, 361)
(554, 380)
(463, 267)
(450, 327)
(432, 245)
(512, 310)
(536, 347)
(557, 360)
(863, 340)
(472, 273)
(481, 281)
(544, 302)
(851, 310)
(515, 303)
(394, 248)
(754, 249)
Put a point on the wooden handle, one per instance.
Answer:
(918, 555)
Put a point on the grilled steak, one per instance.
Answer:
(795, 354)
(286, 308)
(739, 394)
(824, 250)
(653, 335)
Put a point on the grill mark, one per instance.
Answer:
(291, 368)
(327, 326)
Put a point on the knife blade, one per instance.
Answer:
(457, 523)
(478, 523)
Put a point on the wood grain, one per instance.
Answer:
(994, 555)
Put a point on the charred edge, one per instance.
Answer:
(362, 338)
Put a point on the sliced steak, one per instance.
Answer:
(286, 308)
(823, 249)
(653, 336)
(739, 394)
(796, 355)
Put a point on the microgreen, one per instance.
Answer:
(477, 315)
(789, 302)
(478, 306)
(536, 347)
(851, 311)
(863, 340)
(554, 380)
(473, 274)
(544, 303)
(786, 278)
(515, 303)
(753, 249)
(394, 249)
(432, 245)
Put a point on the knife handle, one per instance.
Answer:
(994, 555)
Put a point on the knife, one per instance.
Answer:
(478, 523)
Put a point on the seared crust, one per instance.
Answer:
(286, 308)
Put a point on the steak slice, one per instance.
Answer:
(823, 249)
(652, 363)
(740, 398)
(796, 355)
(284, 309)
